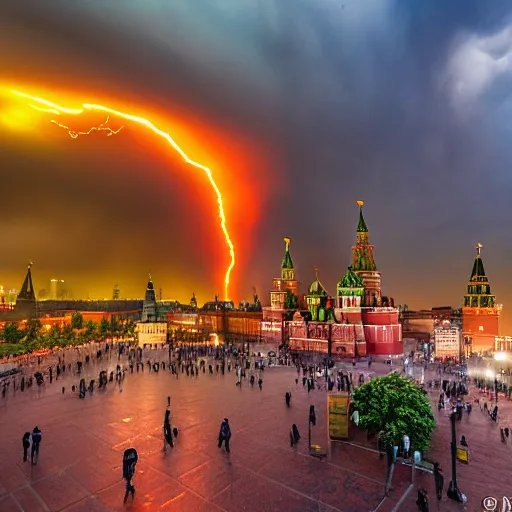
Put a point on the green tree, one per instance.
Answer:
(397, 406)
(11, 334)
(104, 328)
(115, 328)
(77, 321)
(91, 330)
(32, 329)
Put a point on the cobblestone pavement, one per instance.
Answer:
(83, 442)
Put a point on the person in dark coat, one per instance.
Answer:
(130, 458)
(295, 434)
(36, 440)
(26, 445)
(167, 430)
(225, 434)
(439, 481)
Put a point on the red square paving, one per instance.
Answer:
(80, 464)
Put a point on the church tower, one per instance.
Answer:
(25, 306)
(363, 263)
(149, 310)
(480, 313)
(285, 290)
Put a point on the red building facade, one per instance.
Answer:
(359, 321)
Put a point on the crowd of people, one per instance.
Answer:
(80, 370)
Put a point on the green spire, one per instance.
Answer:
(361, 227)
(287, 260)
(478, 266)
(362, 230)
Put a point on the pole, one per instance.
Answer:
(496, 389)
(309, 435)
(454, 451)
(453, 490)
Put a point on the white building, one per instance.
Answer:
(447, 340)
(151, 333)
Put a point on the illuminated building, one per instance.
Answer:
(447, 340)
(151, 330)
(480, 313)
(285, 288)
(362, 322)
(284, 300)
(503, 344)
(149, 309)
(57, 291)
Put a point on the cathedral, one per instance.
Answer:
(358, 321)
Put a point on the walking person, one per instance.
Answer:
(225, 434)
(167, 430)
(130, 458)
(36, 440)
(26, 445)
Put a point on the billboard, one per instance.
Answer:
(337, 407)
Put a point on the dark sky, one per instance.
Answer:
(299, 108)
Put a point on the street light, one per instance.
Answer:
(453, 489)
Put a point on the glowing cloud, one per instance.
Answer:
(46, 106)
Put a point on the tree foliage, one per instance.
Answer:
(77, 321)
(15, 341)
(11, 334)
(397, 406)
(104, 328)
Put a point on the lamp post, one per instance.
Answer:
(496, 388)
(453, 489)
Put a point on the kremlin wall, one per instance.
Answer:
(357, 321)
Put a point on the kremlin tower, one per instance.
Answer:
(285, 291)
(363, 263)
(284, 300)
(480, 313)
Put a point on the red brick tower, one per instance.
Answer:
(363, 263)
(480, 314)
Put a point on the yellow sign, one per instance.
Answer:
(338, 416)
(463, 455)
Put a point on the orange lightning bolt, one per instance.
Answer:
(100, 128)
(50, 107)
